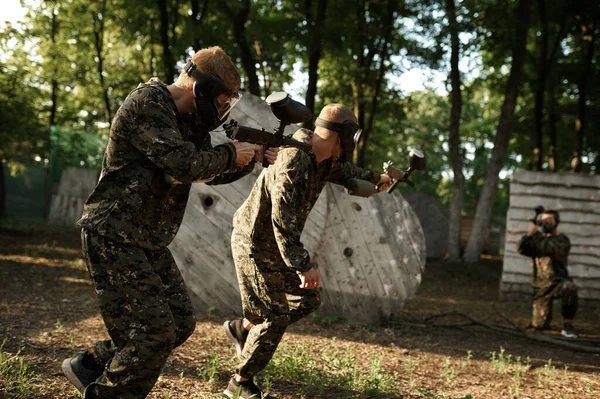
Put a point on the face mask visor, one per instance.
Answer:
(224, 109)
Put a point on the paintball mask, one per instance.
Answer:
(349, 133)
(207, 89)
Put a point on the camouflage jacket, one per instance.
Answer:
(153, 156)
(550, 256)
(274, 214)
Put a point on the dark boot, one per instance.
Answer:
(236, 333)
(77, 374)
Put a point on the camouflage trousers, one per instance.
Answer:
(271, 300)
(146, 310)
(544, 294)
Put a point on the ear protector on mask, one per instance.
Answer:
(349, 132)
(207, 89)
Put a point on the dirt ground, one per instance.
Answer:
(48, 312)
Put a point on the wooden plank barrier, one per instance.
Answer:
(577, 198)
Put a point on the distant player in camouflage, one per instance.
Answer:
(550, 277)
(159, 145)
(278, 281)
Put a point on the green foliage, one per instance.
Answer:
(330, 368)
(81, 52)
(15, 375)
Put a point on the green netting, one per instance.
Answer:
(25, 194)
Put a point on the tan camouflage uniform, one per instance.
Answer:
(267, 250)
(550, 277)
(153, 156)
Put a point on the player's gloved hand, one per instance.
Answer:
(384, 182)
(309, 279)
(533, 228)
(244, 152)
(270, 154)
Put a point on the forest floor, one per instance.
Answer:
(48, 312)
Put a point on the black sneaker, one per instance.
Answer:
(568, 331)
(78, 375)
(236, 333)
(244, 390)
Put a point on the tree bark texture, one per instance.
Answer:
(483, 211)
(380, 48)
(540, 88)
(587, 48)
(454, 142)
(239, 20)
(168, 62)
(552, 129)
(2, 189)
(98, 20)
(54, 81)
(314, 52)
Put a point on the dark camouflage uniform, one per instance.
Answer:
(267, 250)
(550, 277)
(153, 156)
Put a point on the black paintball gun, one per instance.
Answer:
(363, 188)
(287, 111)
(536, 219)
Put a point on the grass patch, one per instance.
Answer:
(330, 369)
(15, 376)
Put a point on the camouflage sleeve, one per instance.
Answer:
(230, 175)
(233, 175)
(526, 245)
(287, 200)
(538, 245)
(153, 130)
(342, 171)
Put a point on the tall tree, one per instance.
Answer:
(197, 15)
(587, 25)
(454, 142)
(373, 47)
(503, 134)
(315, 46)
(164, 30)
(239, 17)
(98, 18)
(54, 81)
(544, 66)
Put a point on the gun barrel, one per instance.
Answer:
(290, 142)
(262, 137)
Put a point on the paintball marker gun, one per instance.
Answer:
(363, 188)
(536, 219)
(286, 111)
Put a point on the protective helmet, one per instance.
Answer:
(349, 133)
(207, 89)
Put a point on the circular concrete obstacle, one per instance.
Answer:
(370, 251)
(434, 221)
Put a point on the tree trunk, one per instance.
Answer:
(239, 20)
(540, 88)
(381, 49)
(54, 81)
(314, 52)
(588, 55)
(2, 190)
(197, 16)
(99, 44)
(454, 142)
(168, 63)
(552, 130)
(483, 212)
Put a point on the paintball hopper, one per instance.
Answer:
(416, 161)
(538, 211)
(286, 109)
(363, 188)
